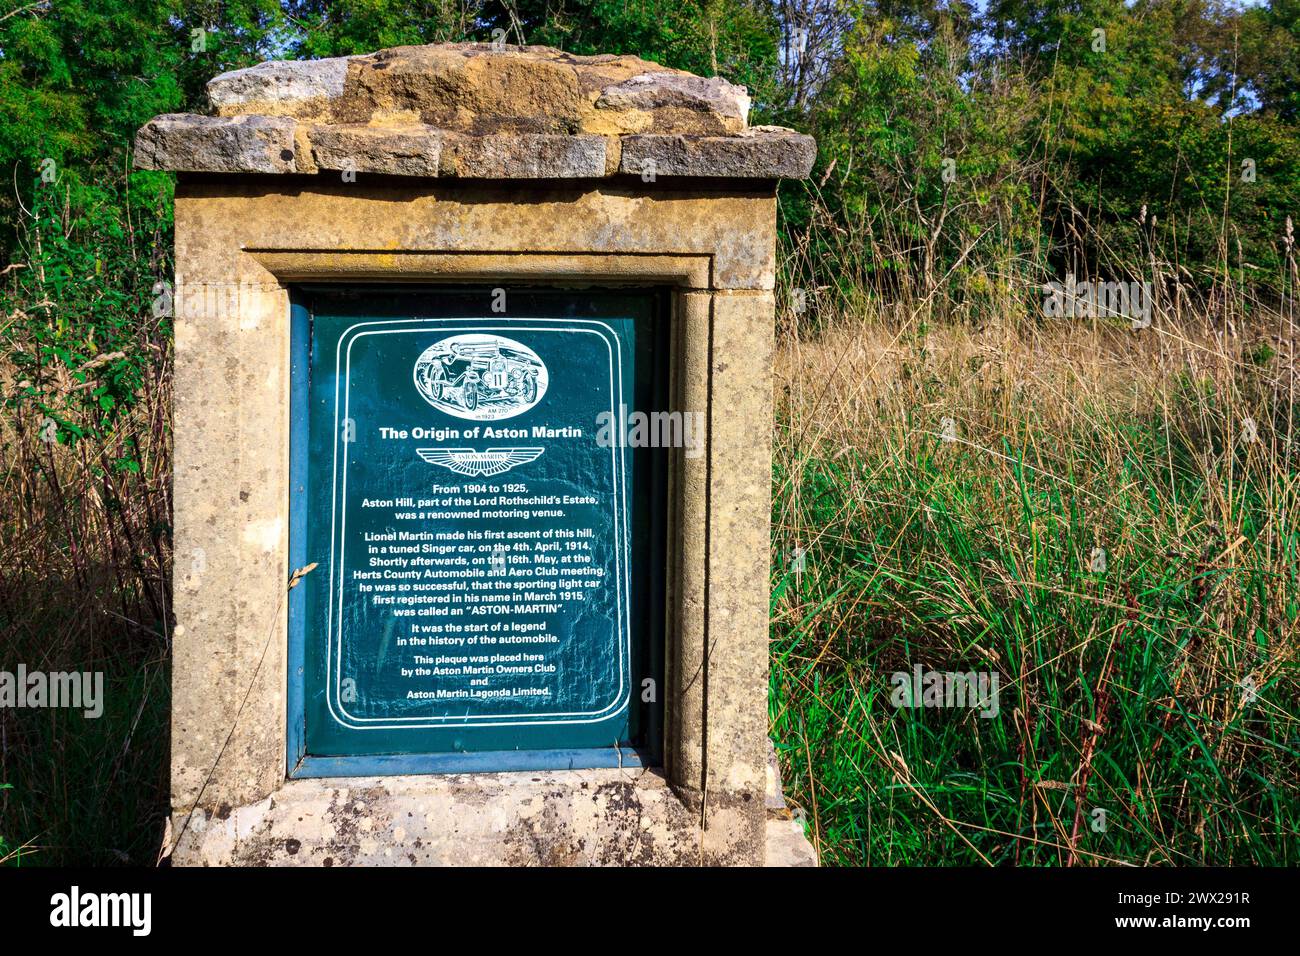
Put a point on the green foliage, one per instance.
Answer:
(1271, 54)
(1127, 136)
(731, 38)
(1175, 661)
(326, 28)
(82, 337)
(1154, 141)
(79, 77)
(924, 150)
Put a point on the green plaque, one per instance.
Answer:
(472, 513)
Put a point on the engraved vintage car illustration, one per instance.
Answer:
(481, 377)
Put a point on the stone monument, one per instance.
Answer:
(473, 450)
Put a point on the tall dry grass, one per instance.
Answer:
(1157, 684)
(84, 586)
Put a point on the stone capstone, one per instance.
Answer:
(523, 156)
(672, 99)
(409, 151)
(301, 88)
(762, 152)
(185, 143)
(472, 110)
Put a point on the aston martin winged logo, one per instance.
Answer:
(489, 461)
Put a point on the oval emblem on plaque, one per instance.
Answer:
(481, 377)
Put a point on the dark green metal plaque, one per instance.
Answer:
(473, 516)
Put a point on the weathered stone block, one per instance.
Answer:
(462, 87)
(765, 152)
(416, 151)
(505, 113)
(300, 88)
(587, 818)
(676, 102)
(523, 156)
(185, 143)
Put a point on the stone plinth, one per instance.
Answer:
(464, 164)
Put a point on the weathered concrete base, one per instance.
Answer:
(787, 845)
(563, 818)
(566, 818)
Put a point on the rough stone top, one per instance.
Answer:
(476, 111)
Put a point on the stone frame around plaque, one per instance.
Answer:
(301, 763)
(230, 750)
